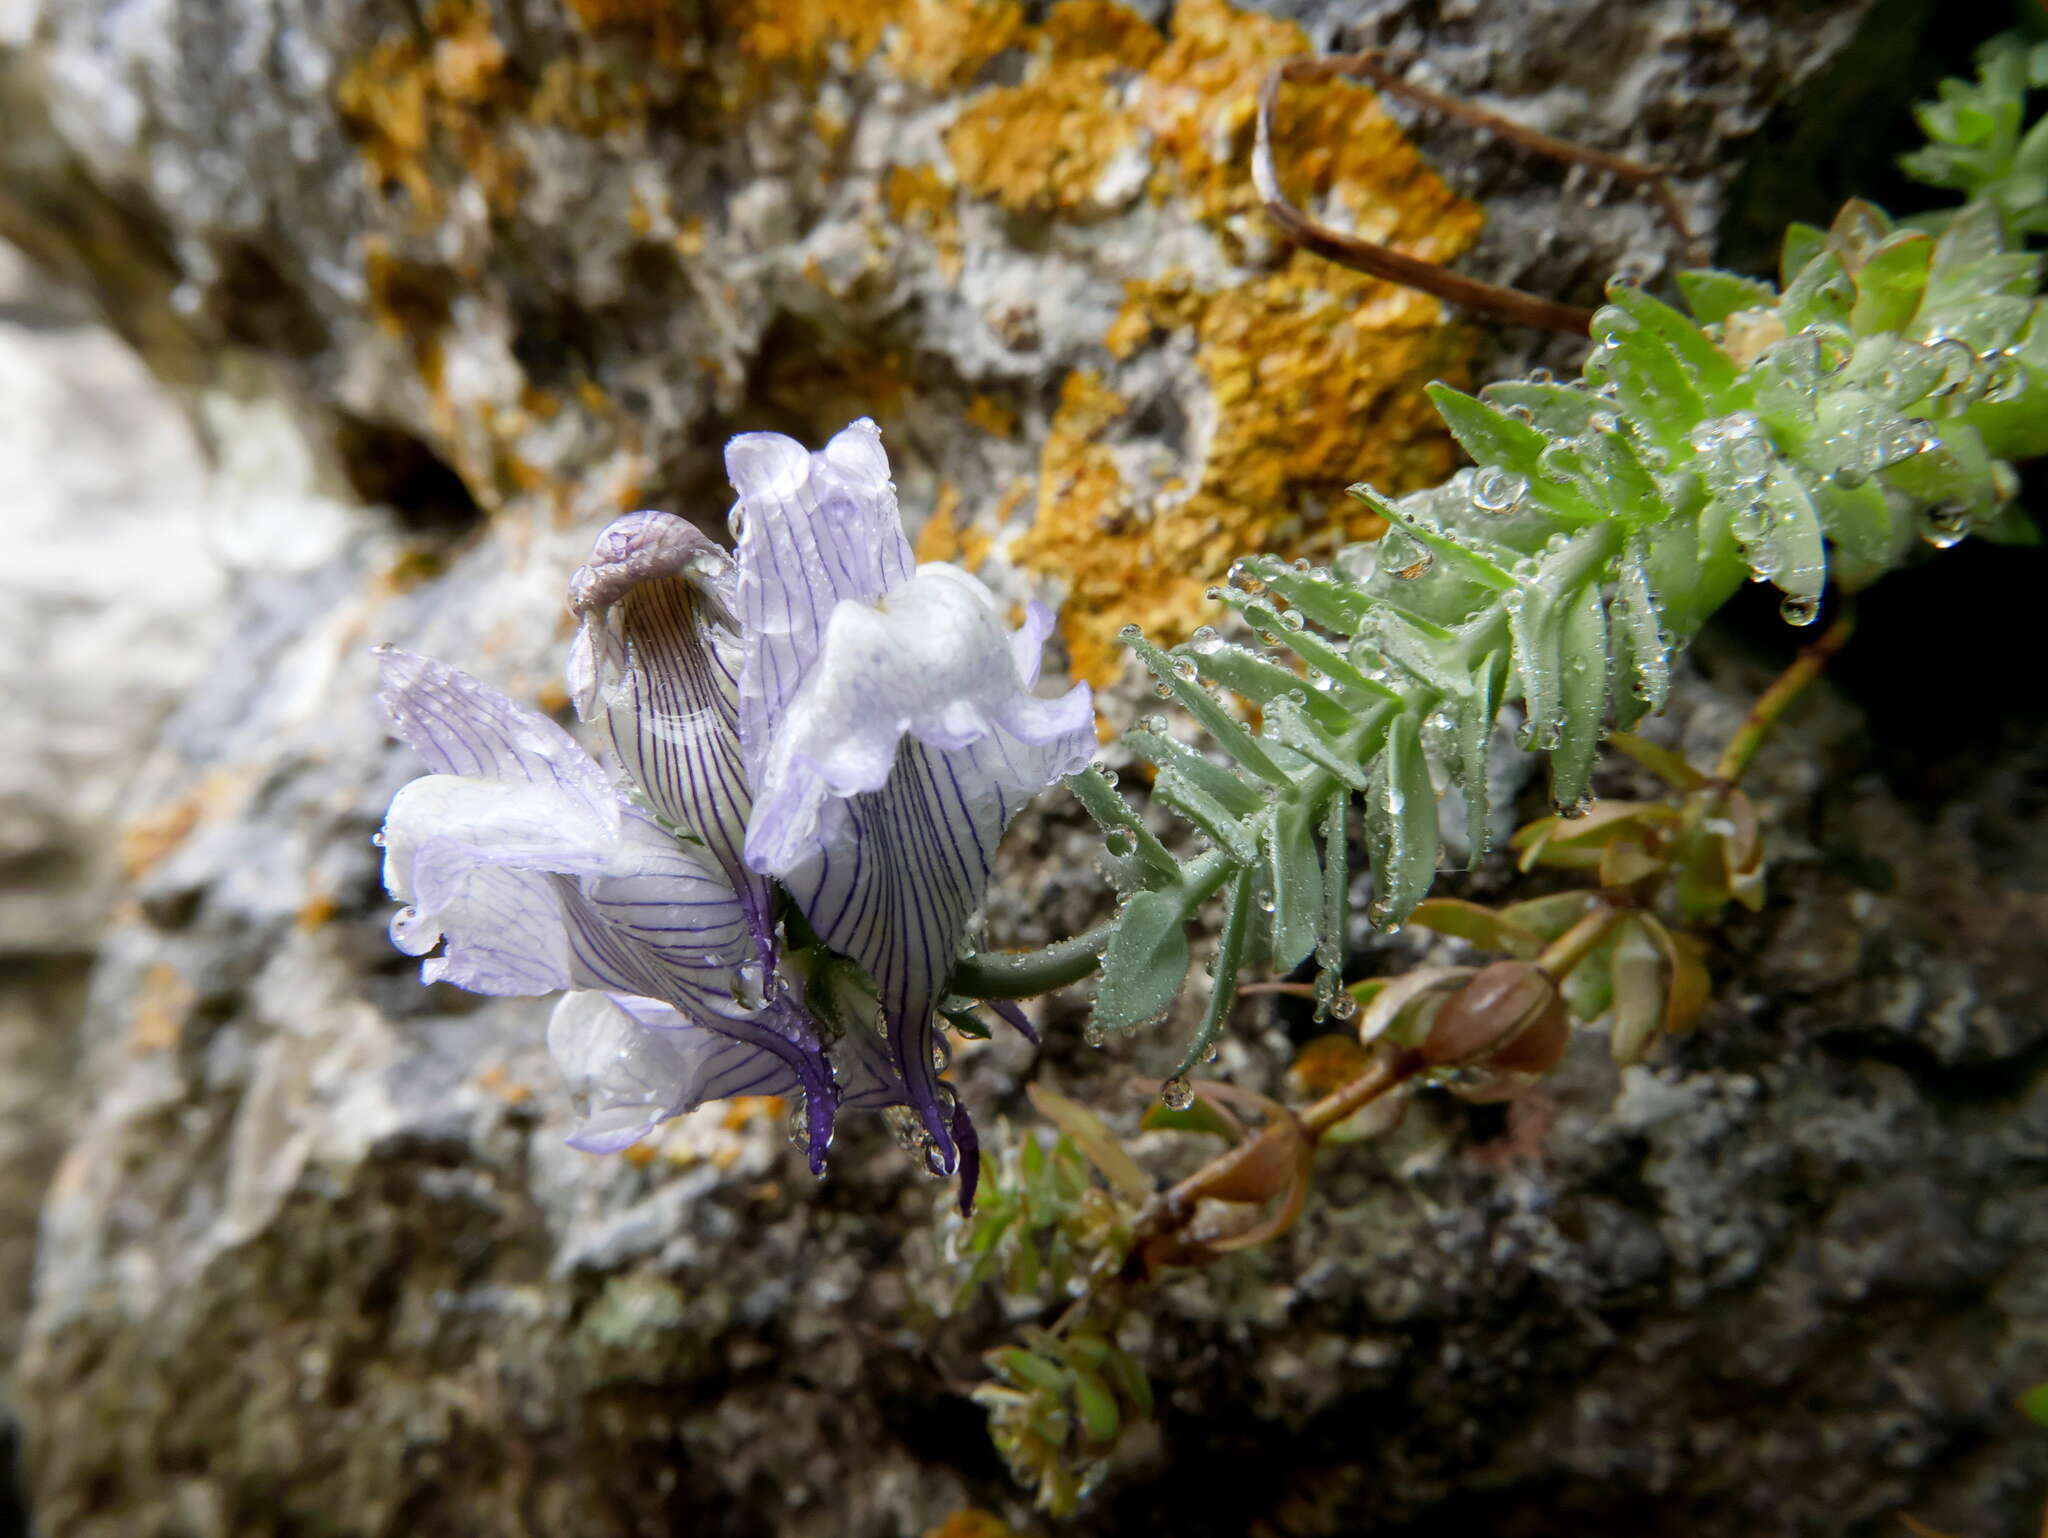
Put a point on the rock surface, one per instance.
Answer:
(432, 293)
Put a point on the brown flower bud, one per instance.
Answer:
(1509, 1016)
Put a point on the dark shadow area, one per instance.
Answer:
(1847, 126)
(390, 467)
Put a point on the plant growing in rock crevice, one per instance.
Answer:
(1829, 428)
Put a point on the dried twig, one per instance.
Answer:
(1380, 261)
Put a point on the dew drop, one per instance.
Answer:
(1119, 842)
(1799, 609)
(1572, 811)
(1176, 1094)
(1129, 632)
(1301, 563)
(1415, 568)
(1214, 594)
(1185, 670)
(1944, 525)
(1343, 1006)
(1094, 1035)
(1291, 619)
(1263, 901)
(377, 838)
(799, 1127)
(1957, 361)
(1206, 641)
(1163, 689)
(1498, 491)
(1154, 724)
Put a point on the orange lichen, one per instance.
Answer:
(1313, 373)
(410, 301)
(742, 1110)
(663, 28)
(939, 44)
(920, 198)
(972, 1522)
(1199, 98)
(1046, 145)
(495, 1081)
(163, 1004)
(943, 44)
(991, 416)
(1102, 29)
(149, 838)
(314, 912)
(423, 105)
(944, 538)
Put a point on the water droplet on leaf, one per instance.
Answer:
(1799, 609)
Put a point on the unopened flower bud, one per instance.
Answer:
(1509, 1016)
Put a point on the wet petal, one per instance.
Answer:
(933, 661)
(522, 857)
(813, 529)
(463, 728)
(894, 890)
(888, 727)
(637, 1062)
(654, 662)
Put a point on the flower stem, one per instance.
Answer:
(1776, 700)
(1577, 943)
(1025, 974)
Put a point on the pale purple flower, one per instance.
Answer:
(814, 721)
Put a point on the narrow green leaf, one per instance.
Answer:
(2034, 1404)
(1179, 675)
(1491, 437)
(1713, 295)
(1231, 945)
(1112, 812)
(1333, 604)
(1289, 723)
(1803, 242)
(1228, 833)
(1191, 764)
(1145, 961)
(1488, 928)
(1027, 1369)
(1583, 690)
(1091, 1134)
(1891, 282)
(1096, 1405)
(1400, 825)
(1295, 875)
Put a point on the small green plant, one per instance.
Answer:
(1823, 430)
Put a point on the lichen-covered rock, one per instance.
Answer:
(446, 288)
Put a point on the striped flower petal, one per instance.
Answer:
(636, 1062)
(524, 860)
(887, 724)
(654, 662)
